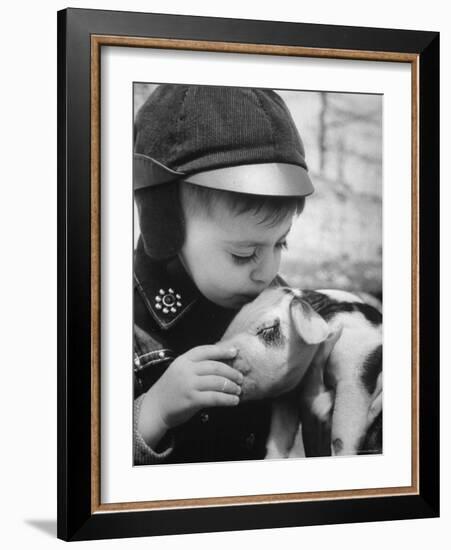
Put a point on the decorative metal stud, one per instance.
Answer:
(161, 354)
(167, 301)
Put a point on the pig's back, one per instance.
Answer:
(331, 303)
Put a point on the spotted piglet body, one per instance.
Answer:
(352, 374)
(319, 356)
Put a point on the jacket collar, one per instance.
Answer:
(167, 290)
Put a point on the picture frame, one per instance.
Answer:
(81, 36)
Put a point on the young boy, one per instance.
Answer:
(219, 174)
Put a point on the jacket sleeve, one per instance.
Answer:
(142, 453)
(151, 358)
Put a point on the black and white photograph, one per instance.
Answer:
(248, 303)
(257, 293)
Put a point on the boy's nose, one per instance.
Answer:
(265, 271)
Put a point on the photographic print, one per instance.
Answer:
(238, 202)
(257, 274)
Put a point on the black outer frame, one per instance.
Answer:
(75, 520)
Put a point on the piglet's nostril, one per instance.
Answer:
(337, 445)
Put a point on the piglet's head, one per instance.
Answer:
(277, 336)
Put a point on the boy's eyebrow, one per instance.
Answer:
(255, 243)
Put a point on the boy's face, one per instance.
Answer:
(232, 257)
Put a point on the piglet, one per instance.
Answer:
(318, 356)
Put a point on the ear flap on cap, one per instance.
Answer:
(310, 326)
(161, 220)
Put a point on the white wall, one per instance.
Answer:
(28, 273)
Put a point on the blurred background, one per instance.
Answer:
(337, 241)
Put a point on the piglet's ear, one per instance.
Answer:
(310, 326)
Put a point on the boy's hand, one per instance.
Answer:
(195, 380)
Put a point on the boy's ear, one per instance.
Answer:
(310, 326)
(161, 220)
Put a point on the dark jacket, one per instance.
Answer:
(171, 317)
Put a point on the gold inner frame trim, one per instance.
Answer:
(97, 41)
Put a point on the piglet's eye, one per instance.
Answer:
(268, 326)
(271, 335)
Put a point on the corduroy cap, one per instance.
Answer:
(233, 139)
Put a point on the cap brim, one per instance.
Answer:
(275, 179)
(148, 172)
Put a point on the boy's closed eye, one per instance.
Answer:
(241, 259)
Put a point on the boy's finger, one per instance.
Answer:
(218, 383)
(217, 351)
(206, 368)
(218, 399)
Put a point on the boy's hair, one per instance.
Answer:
(162, 212)
(199, 200)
